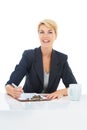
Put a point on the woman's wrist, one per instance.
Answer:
(64, 91)
(9, 89)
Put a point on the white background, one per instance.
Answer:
(18, 31)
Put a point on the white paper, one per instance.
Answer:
(25, 96)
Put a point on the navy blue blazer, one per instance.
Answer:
(31, 66)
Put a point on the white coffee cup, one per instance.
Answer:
(74, 92)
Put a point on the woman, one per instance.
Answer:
(43, 67)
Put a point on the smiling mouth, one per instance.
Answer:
(45, 41)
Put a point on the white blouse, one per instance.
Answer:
(46, 80)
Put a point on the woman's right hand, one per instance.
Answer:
(14, 92)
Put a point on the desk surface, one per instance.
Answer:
(56, 114)
(7, 103)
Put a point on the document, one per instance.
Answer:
(32, 97)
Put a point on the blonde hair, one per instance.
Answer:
(49, 23)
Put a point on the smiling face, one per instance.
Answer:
(47, 30)
(47, 35)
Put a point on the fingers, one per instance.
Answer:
(17, 92)
(54, 96)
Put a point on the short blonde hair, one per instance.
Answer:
(49, 23)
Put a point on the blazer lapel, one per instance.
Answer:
(39, 64)
(53, 69)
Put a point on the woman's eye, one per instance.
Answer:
(50, 32)
(41, 32)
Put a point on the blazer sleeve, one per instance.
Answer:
(67, 75)
(21, 69)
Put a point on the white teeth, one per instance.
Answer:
(45, 41)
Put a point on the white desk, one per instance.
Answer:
(61, 114)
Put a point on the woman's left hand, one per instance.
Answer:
(57, 94)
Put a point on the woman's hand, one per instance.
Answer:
(57, 94)
(14, 92)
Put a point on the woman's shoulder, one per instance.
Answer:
(30, 54)
(60, 55)
(30, 51)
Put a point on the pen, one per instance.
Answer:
(15, 86)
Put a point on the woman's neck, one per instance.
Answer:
(46, 51)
